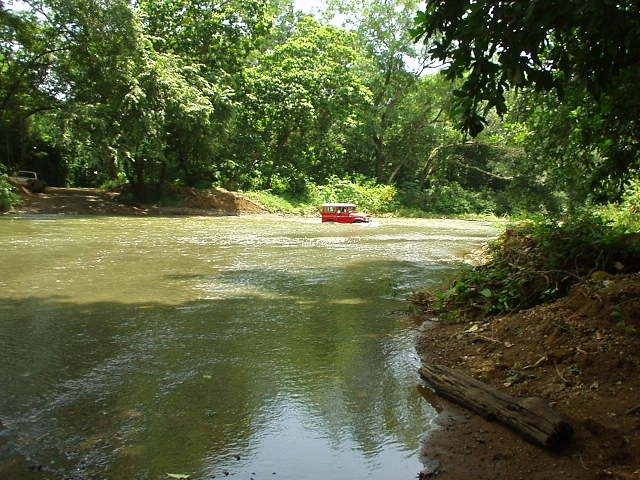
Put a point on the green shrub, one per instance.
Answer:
(453, 199)
(280, 204)
(534, 262)
(370, 196)
(626, 214)
(8, 197)
(631, 206)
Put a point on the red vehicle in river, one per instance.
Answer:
(343, 213)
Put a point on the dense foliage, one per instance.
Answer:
(582, 50)
(254, 95)
(8, 196)
(369, 196)
(535, 262)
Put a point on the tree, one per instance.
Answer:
(296, 108)
(580, 49)
(64, 54)
(163, 129)
(115, 104)
(220, 35)
(27, 54)
(496, 45)
(395, 63)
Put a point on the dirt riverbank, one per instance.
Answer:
(91, 201)
(581, 354)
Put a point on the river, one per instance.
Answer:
(197, 347)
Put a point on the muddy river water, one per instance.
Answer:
(249, 347)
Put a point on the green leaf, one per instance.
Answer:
(485, 292)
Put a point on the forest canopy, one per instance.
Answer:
(584, 51)
(459, 106)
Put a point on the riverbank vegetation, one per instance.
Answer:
(577, 119)
(552, 310)
(256, 96)
(534, 262)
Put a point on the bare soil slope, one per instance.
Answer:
(90, 201)
(581, 354)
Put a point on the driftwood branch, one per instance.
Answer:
(530, 417)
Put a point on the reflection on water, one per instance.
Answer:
(258, 347)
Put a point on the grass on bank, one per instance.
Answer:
(533, 262)
(537, 260)
(284, 205)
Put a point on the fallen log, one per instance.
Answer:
(531, 417)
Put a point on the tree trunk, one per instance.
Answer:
(530, 417)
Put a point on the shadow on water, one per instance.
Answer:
(276, 372)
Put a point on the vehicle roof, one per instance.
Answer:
(338, 204)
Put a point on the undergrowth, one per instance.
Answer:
(8, 196)
(279, 204)
(534, 262)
